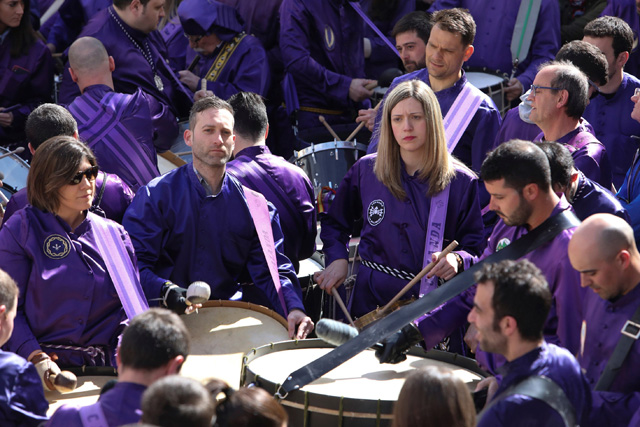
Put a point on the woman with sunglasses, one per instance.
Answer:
(68, 305)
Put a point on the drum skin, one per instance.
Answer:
(327, 163)
(361, 392)
(14, 171)
(90, 382)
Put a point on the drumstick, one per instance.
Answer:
(329, 128)
(372, 85)
(336, 295)
(419, 276)
(361, 125)
(64, 382)
(203, 84)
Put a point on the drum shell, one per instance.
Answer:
(327, 163)
(15, 171)
(91, 379)
(492, 83)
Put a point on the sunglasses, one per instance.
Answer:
(90, 173)
(596, 89)
(193, 39)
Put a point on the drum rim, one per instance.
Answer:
(325, 146)
(486, 70)
(249, 306)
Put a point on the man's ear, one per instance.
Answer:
(174, 365)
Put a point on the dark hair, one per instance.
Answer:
(121, 4)
(560, 162)
(152, 339)
(176, 401)
(47, 121)
(381, 9)
(456, 20)
(520, 163)
(53, 166)
(250, 115)
(520, 290)
(569, 77)
(248, 406)
(8, 290)
(417, 21)
(588, 58)
(203, 104)
(23, 36)
(616, 28)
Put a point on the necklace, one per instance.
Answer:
(146, 54)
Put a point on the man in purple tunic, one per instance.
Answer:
(559, 95)
(610, 114)
(280, 182)
(118, 127)
(604, 252)
(72, 16)
(230, 60)
(154, 345)
(113, 196)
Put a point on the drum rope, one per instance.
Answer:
(395, 272)
(91, 350)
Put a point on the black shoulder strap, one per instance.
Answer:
(98, 200)
(544, 389)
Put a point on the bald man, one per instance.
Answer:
(121, 129)
(604, 252)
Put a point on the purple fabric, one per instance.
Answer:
(182, 235)
(614, 127)
(41, 253)
(200, 17)
(261, 18)
(626, 10)
(513, 127)
(592, 198)
(177, 44)
(395, 237)
(22, 401)
(519, 410)
(495, 22)
(121, 405)
(70, 18)
(629, 195)
(288, 189)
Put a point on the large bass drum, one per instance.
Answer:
(91, 379)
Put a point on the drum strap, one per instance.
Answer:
(523, 31)
(93, 416)
(260, 215)
(226, 51)
(121, 270)
(540, 388)
(356, 6)
(435, 235)
(460, 114)
(381, 329)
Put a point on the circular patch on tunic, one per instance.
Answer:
(329, 38)
(56, 246)
(502, 243)
(375, 212)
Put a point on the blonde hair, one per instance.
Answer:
(437, 166)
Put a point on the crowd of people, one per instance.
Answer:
(92, 93)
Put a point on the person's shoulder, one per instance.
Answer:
(96, 26)
(421, 74)
(67, 415)
(630, 80)
(12, 363)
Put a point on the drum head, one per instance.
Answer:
(86, 393)
(484, 80)
(15, 171)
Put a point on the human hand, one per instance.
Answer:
(513, 90)
(332, 276)
(6, 119)
(302, 321)
(367, 116)
(202, 94)
(446, 268)
(189, 79)
(357, 90)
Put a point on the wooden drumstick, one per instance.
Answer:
(64, 382)
(419, 276)
(361, 125)
(336, 295)
(329, 128)
(372, 85)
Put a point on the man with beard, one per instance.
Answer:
(411, 33)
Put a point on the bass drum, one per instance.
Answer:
(492, 83)
(91, 380)
(14, 171)
(360, 392)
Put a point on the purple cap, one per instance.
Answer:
(202, 17)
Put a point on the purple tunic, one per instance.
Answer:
(626, 10)
(177, 44)
(70, 18)
(290, 191)
(513, 127)
(260, 19)
(592, 198)
(22, 401)
(41, 253)
(119, 129)
(183, 235)
(629, 195)
(121, 405)
(396, 238)
(495, 21)
(614, 127)
(516, 410)
(115, 200)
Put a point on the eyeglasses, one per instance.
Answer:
(90, 173)
(193, 39)
(536, 88)
(596, 89)
(636, 92)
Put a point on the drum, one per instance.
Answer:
(360, 392)
(222, 332)
(15, 172)
(90, 382)
(179, 154)
(168, 161)
(491, 83)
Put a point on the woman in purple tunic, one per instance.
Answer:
(68, 305)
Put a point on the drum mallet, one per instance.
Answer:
(337, 297)
(361, 125)
(329, 128)
(16, 151)
(64, 382)
(198, 293)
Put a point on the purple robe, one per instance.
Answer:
(629, 195)
(614, 127)
(22, 401)
(177, 44)
(71, 18)
(183, 235)
(396, 238)
(66, 296)
(260, 19)
(626, 10)
(513, 127)
(495, 21)
(290, 191)
(119, 129)
(592, 198)
(518, 410)
(120, 405)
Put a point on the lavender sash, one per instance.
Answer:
(93, 416)
(435, 235)
(460, 114)
(370, 23)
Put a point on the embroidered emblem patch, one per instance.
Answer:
(375, 212)
(56, 247)
(502, 243)
(329, 38)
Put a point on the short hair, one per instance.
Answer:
(121, 4)
(247, 406)
(570, 78)
(54, 165)
(616, 28)
(176, 401)
(417, 21)
(152, 339)
(207, 103)
(434, 396)
(8, 290)
(23, 36)
(588, 58)
(250, 115)
(520, 290)
(456, 20)
(560, 162)
(437, 165)
(520, 163)
(47, 121)
(88, 54)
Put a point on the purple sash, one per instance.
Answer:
(370, 23)
(93, 416)
(460, 114)
(121, 270)
(435, 235)
(260, 215)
